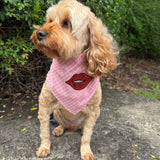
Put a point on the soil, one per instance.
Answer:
(126, 77)
(19, 107)
(130, 72)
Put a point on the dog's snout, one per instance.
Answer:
(41, 34)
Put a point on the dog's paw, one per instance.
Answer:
(42, 152)
(58, 130)
(88, 156)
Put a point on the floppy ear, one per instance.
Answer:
(101, 53)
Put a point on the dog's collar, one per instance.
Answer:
(70, 83)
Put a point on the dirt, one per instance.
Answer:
(19, 106)
(130, 72)
(126, 77)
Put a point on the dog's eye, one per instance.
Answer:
(65, 24)
(50, 21)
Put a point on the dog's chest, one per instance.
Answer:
(72, 122)
(74, 125)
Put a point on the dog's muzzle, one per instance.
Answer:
(41, 34)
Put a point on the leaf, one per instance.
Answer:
(133, 146)
(155, 157)
(23, 129)
(35, 108)
(25, 55)
(29, 117)
(23, 102)
(37, 8)
(2, 111)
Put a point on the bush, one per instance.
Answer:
(17, 19)
(112, 13)
(134, 23)
(144, 26)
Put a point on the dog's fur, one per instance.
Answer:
(73, 29)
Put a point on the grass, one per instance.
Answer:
(154, 88)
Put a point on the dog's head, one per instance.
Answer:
(71, 29)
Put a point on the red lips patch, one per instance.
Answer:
(79, 81)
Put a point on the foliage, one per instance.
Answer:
(144, 26)
(16, 25)
(134, 23)
(10, 50)
(153, 93)
(112, 13)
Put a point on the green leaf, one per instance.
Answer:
(154, 156)
(35, 108)
(24, 129)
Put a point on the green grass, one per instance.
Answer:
(154, 88)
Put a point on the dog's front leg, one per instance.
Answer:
(86, 153)
(44, 116)
(45, 102)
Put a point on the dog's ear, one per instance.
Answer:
(101, 54)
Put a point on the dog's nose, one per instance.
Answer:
(41, 34)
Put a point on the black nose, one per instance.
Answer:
(41, 34)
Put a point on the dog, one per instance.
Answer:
(82, 50)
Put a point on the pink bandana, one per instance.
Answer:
(70, 84)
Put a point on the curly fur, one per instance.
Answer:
(73, 29)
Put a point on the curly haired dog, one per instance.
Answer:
(82, 50)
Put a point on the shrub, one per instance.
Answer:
(112, 13)
(144, 26)
(134, 23)
(17, 19)
(14, 50)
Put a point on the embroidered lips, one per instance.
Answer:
(79, 81)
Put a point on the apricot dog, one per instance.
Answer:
(82, 50)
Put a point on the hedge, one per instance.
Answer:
(135, 24)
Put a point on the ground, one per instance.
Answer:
(132, 75)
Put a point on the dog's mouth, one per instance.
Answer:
(79, 81)
(44, 47)
(52, 53)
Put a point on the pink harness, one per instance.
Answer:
(70, 84)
